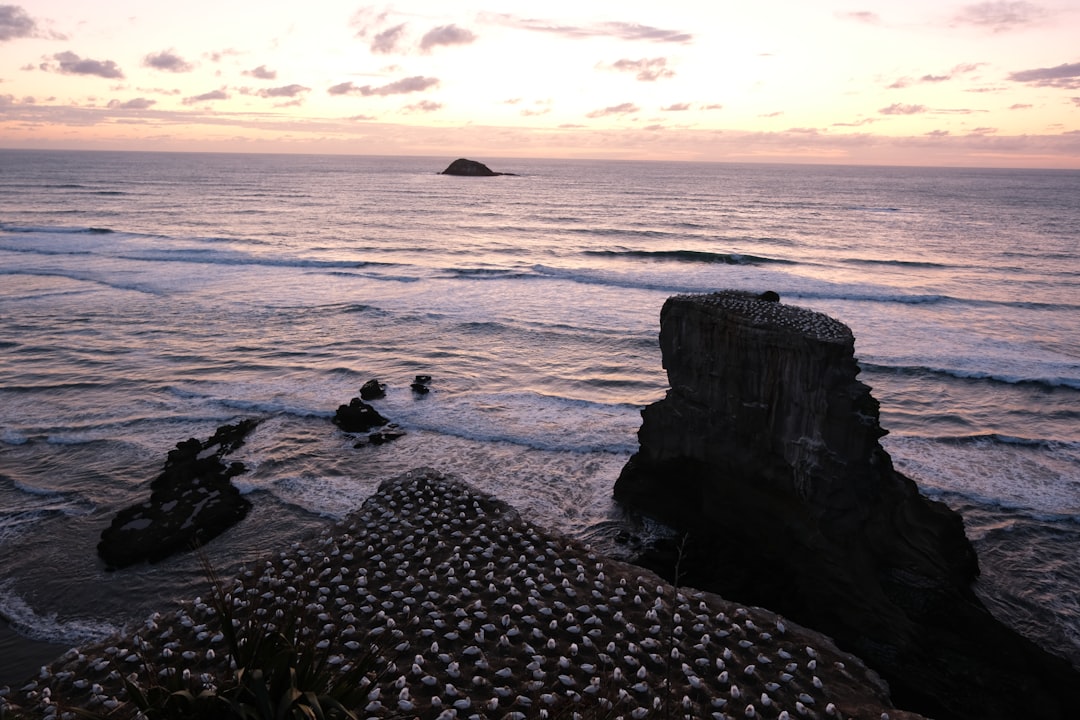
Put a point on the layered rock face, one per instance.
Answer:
(765, 456)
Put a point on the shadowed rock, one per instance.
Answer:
(358, 416)
(191, 502)
(765, 453)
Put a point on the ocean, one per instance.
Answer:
(146, 298)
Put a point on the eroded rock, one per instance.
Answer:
(191, 502)
(765, 454)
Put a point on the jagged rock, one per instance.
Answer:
(765, 455)
(372, 390)
(191, 502)
(358, 416)
(470, 168)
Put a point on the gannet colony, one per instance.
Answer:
(475, 613)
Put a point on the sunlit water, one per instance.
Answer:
(148, 298)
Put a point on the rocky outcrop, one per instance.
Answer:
(765, 456)
(470, 168)
(191, 502)
(358, 417)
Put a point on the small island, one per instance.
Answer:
(470, 168)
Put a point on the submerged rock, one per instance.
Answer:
(765, 455)
(192, 501)
(470, 168)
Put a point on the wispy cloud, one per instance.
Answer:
(1001, 15)
(417, 83)
(16, 23)
(424, 106)
(957, 70)
(287, 91)
(262, 73)
(620, 30)
(206, 97)
(648, 70)
(901, 109)
(863, 16)
(135, 104)
(1063, 76)
(621, 109)
(69, 63)
(446, 35)
(676, 107)
(387, 41)
(168, 61)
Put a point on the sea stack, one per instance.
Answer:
(765, 456)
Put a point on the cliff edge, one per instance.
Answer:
(765, 456)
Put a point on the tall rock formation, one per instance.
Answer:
(765, 456)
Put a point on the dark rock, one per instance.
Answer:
(420, 384)
(765, 456)
(372, 390)
(470, 168)
(191, 502)
(385, 435)
(358, 416)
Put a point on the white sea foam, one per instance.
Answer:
(50, 627)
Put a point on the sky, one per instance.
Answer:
(924, 82)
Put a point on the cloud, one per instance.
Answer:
(647, 70)
(16, 23)
(446, 35)
(289, 91)
(900, 109)
(262, 73)
(1000, 16)
(168, 61)
(857, 123)
(417, 83)
(962, 69)
(1076, 101)
(863, 16)
(387, 41)
(620, 30)
(1063, 76)
(136, 104)
(206, 97)
(425, 106)
(1020, 106)
(366, 19)
(621, 109)
(69, 63)
(676, 107)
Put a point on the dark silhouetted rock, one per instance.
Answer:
(372, 390)
(358, 416)
(470, 168)
(420, 384)
(191, 502)
(765, 456)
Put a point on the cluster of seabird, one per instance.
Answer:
(750, 309)
(478, 614)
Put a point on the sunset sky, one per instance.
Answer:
(838, 81)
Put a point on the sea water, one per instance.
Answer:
(148, 298)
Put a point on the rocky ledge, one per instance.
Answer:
(192, 501)
(765, 456)
(478, 614)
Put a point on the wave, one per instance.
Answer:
(897, 263)
(1072, 383)
(61, 230)
(49, 628)
(691, 256)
